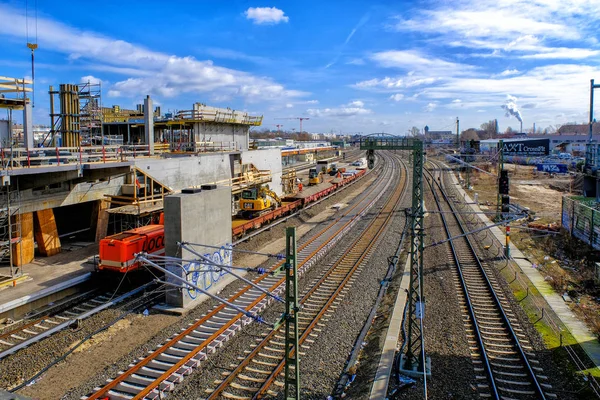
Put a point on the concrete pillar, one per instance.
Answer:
(28, 125)
(149, 123)
(203, 218)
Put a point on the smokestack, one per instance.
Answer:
(534, 128)
(510, 108)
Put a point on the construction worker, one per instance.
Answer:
(300, 186)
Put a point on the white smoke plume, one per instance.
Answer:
(510, 108)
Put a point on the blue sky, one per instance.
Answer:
(351, 66)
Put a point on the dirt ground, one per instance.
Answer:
(566, 264)
(102, 348)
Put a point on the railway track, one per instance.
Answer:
(43, 327)
(48, 324)
(153, 376)
(503, 359)
(261, 368)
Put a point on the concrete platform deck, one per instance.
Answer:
(578, 329)
(392, 338)
(48, 276)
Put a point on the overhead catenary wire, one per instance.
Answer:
(279, 256)
(143, 259)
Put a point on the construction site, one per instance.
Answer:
(157, 243)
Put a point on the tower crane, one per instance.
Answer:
(32, 46)
(300, 118)
(279, 128)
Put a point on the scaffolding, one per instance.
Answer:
(90, 111)
(10, 232)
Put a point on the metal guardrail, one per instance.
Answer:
(581, 220)
(20, 157)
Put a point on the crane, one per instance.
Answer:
(279, 128)
(300, 118)
(32, 46)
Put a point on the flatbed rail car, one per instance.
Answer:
(293, 204)
(117, 251)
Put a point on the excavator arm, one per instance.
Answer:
(265, 191)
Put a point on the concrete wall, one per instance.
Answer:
(266, 159)
(68, 194)
(181, 172)
(203, 218)
(213, 132)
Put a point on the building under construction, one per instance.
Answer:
(111, 168)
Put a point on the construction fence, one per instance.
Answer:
(581, 218)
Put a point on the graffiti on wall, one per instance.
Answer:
(204, 274)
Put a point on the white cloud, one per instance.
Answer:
(91, 79)
(392, 84)
(412, 60)
(498, 25)
(354, 108)
(289, 105)
(563, 52)
(430, 107)
(266, 15)
(150, 72)
(563, 87)
(508, 72)
(397, 97)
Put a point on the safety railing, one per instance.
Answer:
(581, 220)
(203, 147)
(19, 157)
(220, 116)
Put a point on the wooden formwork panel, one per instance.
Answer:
(46, 234)
(102, 222)
(23, 250)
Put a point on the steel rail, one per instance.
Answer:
(491, 290)
(361, 245)
(66, 324)
(103, 392)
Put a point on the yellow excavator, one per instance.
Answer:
(314, 177)
(258, 200)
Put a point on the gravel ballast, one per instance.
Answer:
(25, 364)
(323, 362)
